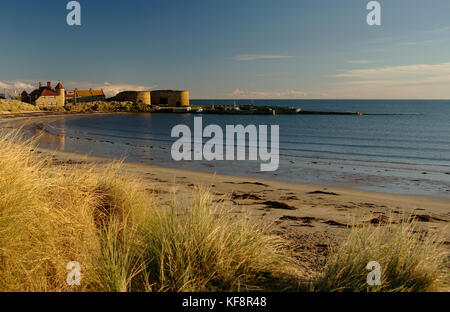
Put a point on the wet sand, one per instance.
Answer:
(310, 216)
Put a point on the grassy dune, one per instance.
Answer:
(14, 106)
(127, 240)
(123, 238)
(409, 261)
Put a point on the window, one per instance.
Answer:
(164, 101)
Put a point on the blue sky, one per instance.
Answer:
(231, 48)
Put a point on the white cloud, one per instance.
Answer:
(253, 57)
(421, 81)
(384, 90)
(16, 85)
(287, 94)
(111, 89)
(437, 30)
(389, 72)
(238, 93)
(423, 42)
(359, 62)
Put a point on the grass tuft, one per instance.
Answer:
(123, 238)
(410, 261)
(199, 248)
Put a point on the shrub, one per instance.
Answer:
(111, 106)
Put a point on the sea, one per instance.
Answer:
(396, 146)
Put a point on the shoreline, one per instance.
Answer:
(63, 155)
(316, 170)
(314, 217)
(174, 171)
(33, 119)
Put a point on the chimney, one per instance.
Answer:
(40, 84)
(49, 84)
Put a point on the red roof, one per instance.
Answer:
(49, 92)
(84, 93)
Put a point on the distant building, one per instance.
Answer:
(25, 97)
(46, 96)
(141, 97)
(16, 96)
(167, 98)
(171, 98)
(78, 96)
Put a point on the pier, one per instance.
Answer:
(249, 110)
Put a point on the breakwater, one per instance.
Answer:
(251, 110)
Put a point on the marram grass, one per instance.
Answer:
(14, 106)
(125, 239)
(409, 260)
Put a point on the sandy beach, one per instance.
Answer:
(311, 216)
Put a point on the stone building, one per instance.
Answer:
(46, 96)
(142, 97)
(170, 98)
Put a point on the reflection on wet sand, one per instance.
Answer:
(52, 141)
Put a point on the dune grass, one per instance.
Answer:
(199, 247)
(410, 261)
(14, 106)
(123, 238)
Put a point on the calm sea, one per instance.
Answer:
(401, 147)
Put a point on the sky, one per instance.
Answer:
(231, 49)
